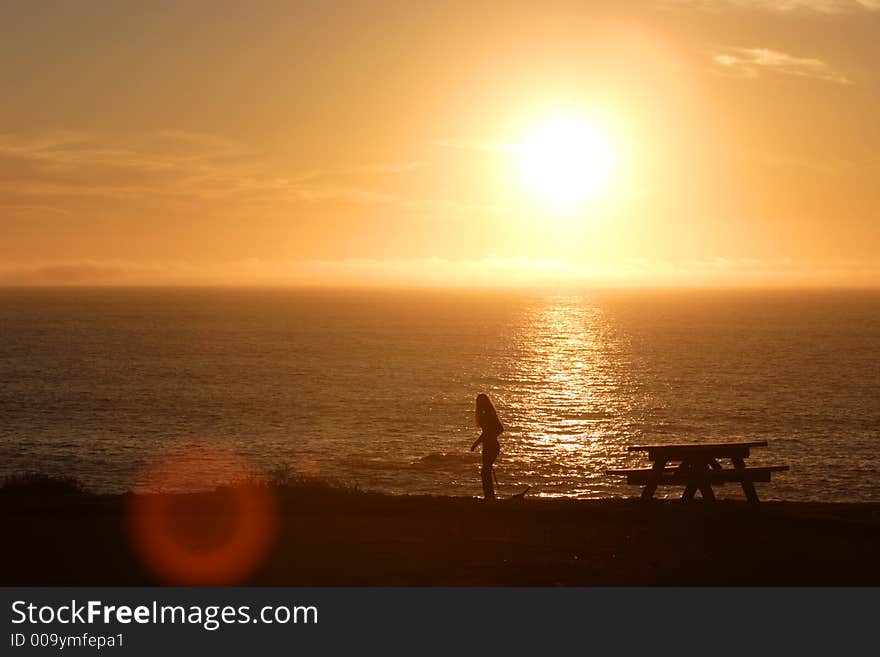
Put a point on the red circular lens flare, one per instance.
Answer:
(210, 538)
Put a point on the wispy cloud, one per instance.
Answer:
(47, 170)
(482, 145)
(784, 6)
(751, 62)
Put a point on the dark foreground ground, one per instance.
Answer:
(330, 536)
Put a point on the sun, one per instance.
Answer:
(566, 162)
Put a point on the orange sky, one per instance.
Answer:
(346, 143)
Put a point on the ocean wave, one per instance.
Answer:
(446, 459)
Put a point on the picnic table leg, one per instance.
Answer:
(698, 467)
(705, 485)
(648, 490)
(707, 493)
(747, 485)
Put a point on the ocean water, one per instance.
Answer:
(376, 388)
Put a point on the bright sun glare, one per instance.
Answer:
(567, 162)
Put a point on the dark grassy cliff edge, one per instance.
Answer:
(57, 533)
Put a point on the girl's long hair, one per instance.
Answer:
(486, 417)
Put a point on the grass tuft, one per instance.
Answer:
(38, 484)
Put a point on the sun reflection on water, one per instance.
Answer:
(564, 397)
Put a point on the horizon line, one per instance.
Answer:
(573, 287)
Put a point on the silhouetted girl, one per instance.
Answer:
(487, 421)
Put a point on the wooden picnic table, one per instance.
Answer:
(696, 466)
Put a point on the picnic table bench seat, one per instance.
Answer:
(696, 466)
(672, 475)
